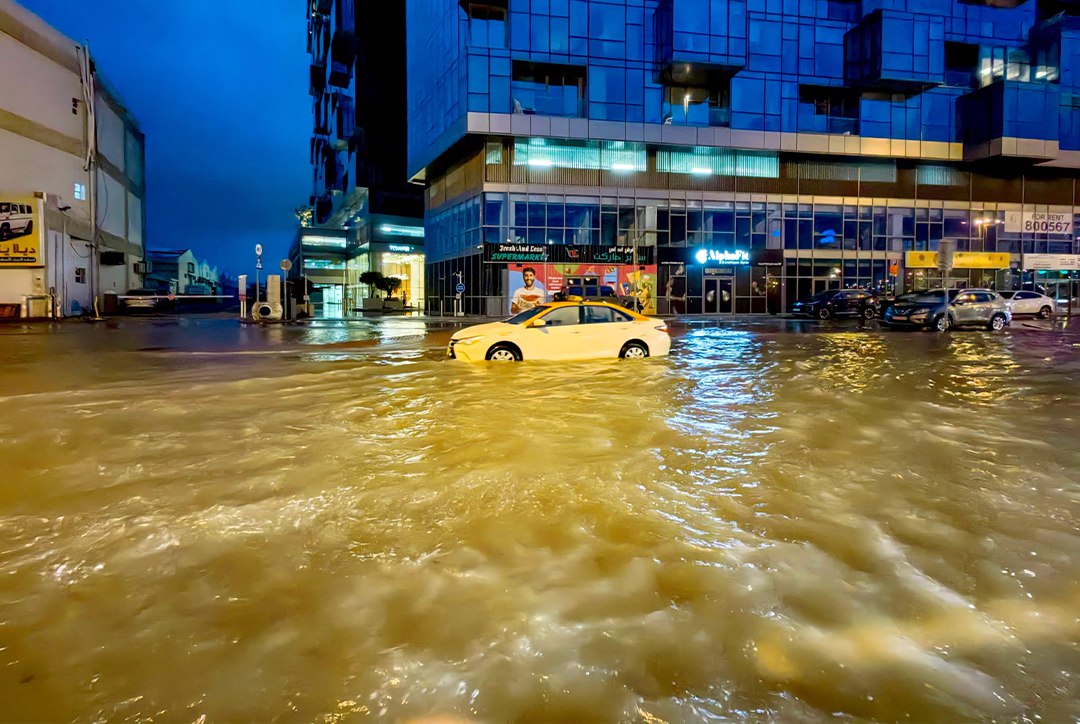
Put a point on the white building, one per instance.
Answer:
(72, 189)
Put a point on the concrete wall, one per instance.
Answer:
(42, 146)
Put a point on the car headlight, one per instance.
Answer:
(920, 310)
(466, 340)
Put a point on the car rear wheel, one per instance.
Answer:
(869, 313)
(1045, 313)
(824, 313)
(997, 322)
(634, 350)
(504, 353)
(942, 323)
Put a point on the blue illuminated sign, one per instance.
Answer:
(401, 248)
(738, 257)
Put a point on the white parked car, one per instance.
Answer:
(1026, 302)
(15, 219)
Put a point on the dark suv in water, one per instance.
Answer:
(970, 307)
(838, 303)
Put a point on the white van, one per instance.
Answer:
(15, 219)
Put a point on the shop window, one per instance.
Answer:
(80, 275)
(548, 89)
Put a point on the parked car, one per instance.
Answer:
(602, 293)
(982, 307)
(563, 331)
(15, 219)
(839, 303)
(1025, 302)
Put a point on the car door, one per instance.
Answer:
(982, 307)
(600, 337)
(559, 338)
(1025, 303)
(963, 308)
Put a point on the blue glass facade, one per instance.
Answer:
(861, 129)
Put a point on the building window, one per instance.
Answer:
(1003, 64)
(80, 275)
(697, 106)
(487, 26)
(961, 64)
(824, 109)
(191, 267)
(80, 192)
(548, 89)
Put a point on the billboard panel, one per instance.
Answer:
(21, 231)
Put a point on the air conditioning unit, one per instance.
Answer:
(143, 267)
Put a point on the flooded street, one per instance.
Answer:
(781, 522)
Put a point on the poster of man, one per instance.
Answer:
(526, 290)
(20, 231)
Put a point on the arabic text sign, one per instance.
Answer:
(1038, 222)
(20, 231)
(1052, 262)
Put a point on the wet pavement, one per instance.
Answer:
(784, 520)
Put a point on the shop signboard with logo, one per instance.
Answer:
(21, 231)
(522, 253)
(1052, 262)
(1038, 222)
(514, 252)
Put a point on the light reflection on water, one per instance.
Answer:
(763, 526)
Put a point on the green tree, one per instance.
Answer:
(390, 285)
(372, 279)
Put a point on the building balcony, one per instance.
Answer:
(896, 52)
(837, 125)
(683, 36)
(340, 74)
(1011, 119)
(318, 80)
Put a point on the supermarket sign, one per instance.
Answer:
(1038, 222)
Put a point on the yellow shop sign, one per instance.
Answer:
(961, 260)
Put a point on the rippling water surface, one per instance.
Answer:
(337, 525)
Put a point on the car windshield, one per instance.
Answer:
(927, 298)
(822, 295)
(528, 314)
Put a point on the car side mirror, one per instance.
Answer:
(539, 323)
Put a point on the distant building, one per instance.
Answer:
(72, 212)
(732, 157)
(180, 272)
(358, 155)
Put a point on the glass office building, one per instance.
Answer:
(734, 156)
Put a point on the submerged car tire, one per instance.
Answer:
(824, 313)
(942, 323)
(29, 227)
(1045, 313)
(869, 313)
(997, 323)
(503, 353)
(634, 350)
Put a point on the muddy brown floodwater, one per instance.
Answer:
(335, 524)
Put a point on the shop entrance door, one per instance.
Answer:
(718, 297)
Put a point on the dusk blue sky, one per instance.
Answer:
(220, 90)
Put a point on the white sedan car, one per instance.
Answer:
(1025, 302)
(567, 330)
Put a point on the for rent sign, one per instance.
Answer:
(1038, 222)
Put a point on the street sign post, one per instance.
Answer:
(258, 267)
(242, 283)
(460, 288)
(285, 265)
